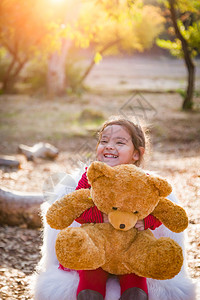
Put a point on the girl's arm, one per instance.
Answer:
(93, 214)
(83, 183)
(151, 222)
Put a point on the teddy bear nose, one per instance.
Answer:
(122, 226)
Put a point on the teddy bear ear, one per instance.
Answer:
(98, 169)
(161, 184)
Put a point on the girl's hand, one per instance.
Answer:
(139, 225)
(105, 218)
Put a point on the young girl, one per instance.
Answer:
(120, 142)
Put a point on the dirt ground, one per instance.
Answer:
(175, 150)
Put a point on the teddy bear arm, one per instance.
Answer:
(65, 210)
(171, 215)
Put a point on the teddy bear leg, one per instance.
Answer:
(155, 258)
(165, 259)
(79, 249)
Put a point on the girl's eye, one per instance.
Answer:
(120, 143)
(103, 142)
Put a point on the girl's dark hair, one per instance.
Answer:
(137, 133)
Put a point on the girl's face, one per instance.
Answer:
(116, 147)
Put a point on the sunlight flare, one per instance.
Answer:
(57, 1)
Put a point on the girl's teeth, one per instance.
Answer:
(111, 156)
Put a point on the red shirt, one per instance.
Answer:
(94, 215)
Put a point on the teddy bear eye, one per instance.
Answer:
(114, 208)
(136, 212)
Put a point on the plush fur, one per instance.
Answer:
(126, 194)
(50, 283)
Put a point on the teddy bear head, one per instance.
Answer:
(125, 192)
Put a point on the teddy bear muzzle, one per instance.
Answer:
(122, 220)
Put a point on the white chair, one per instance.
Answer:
(51, 283)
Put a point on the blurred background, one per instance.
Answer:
(65, 67)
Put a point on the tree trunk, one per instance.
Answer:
(56, 79)
(19, 208)
(9, 161)
(188, 101)
(7, 85)
(12, 74)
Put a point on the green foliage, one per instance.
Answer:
(4, 62)
(188, 14)
(97, 58)
(35, 74)
(89, 115)
(36, 28)
(184, 15)
(73, 72)
(22, 32)
(175, 47)
(194, 36)
(127, 24)
(191, 35)
(183, 5)
(181, 92)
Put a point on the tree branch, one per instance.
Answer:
(17, 208)
(103, 50)
(186, 50)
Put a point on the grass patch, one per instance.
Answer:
(181, 92)
(7, 115)
(88, 115)
(34, 121)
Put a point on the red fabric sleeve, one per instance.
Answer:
(93, 214)
(151, 222)
(83, 183)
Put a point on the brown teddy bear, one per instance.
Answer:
(126, 194)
